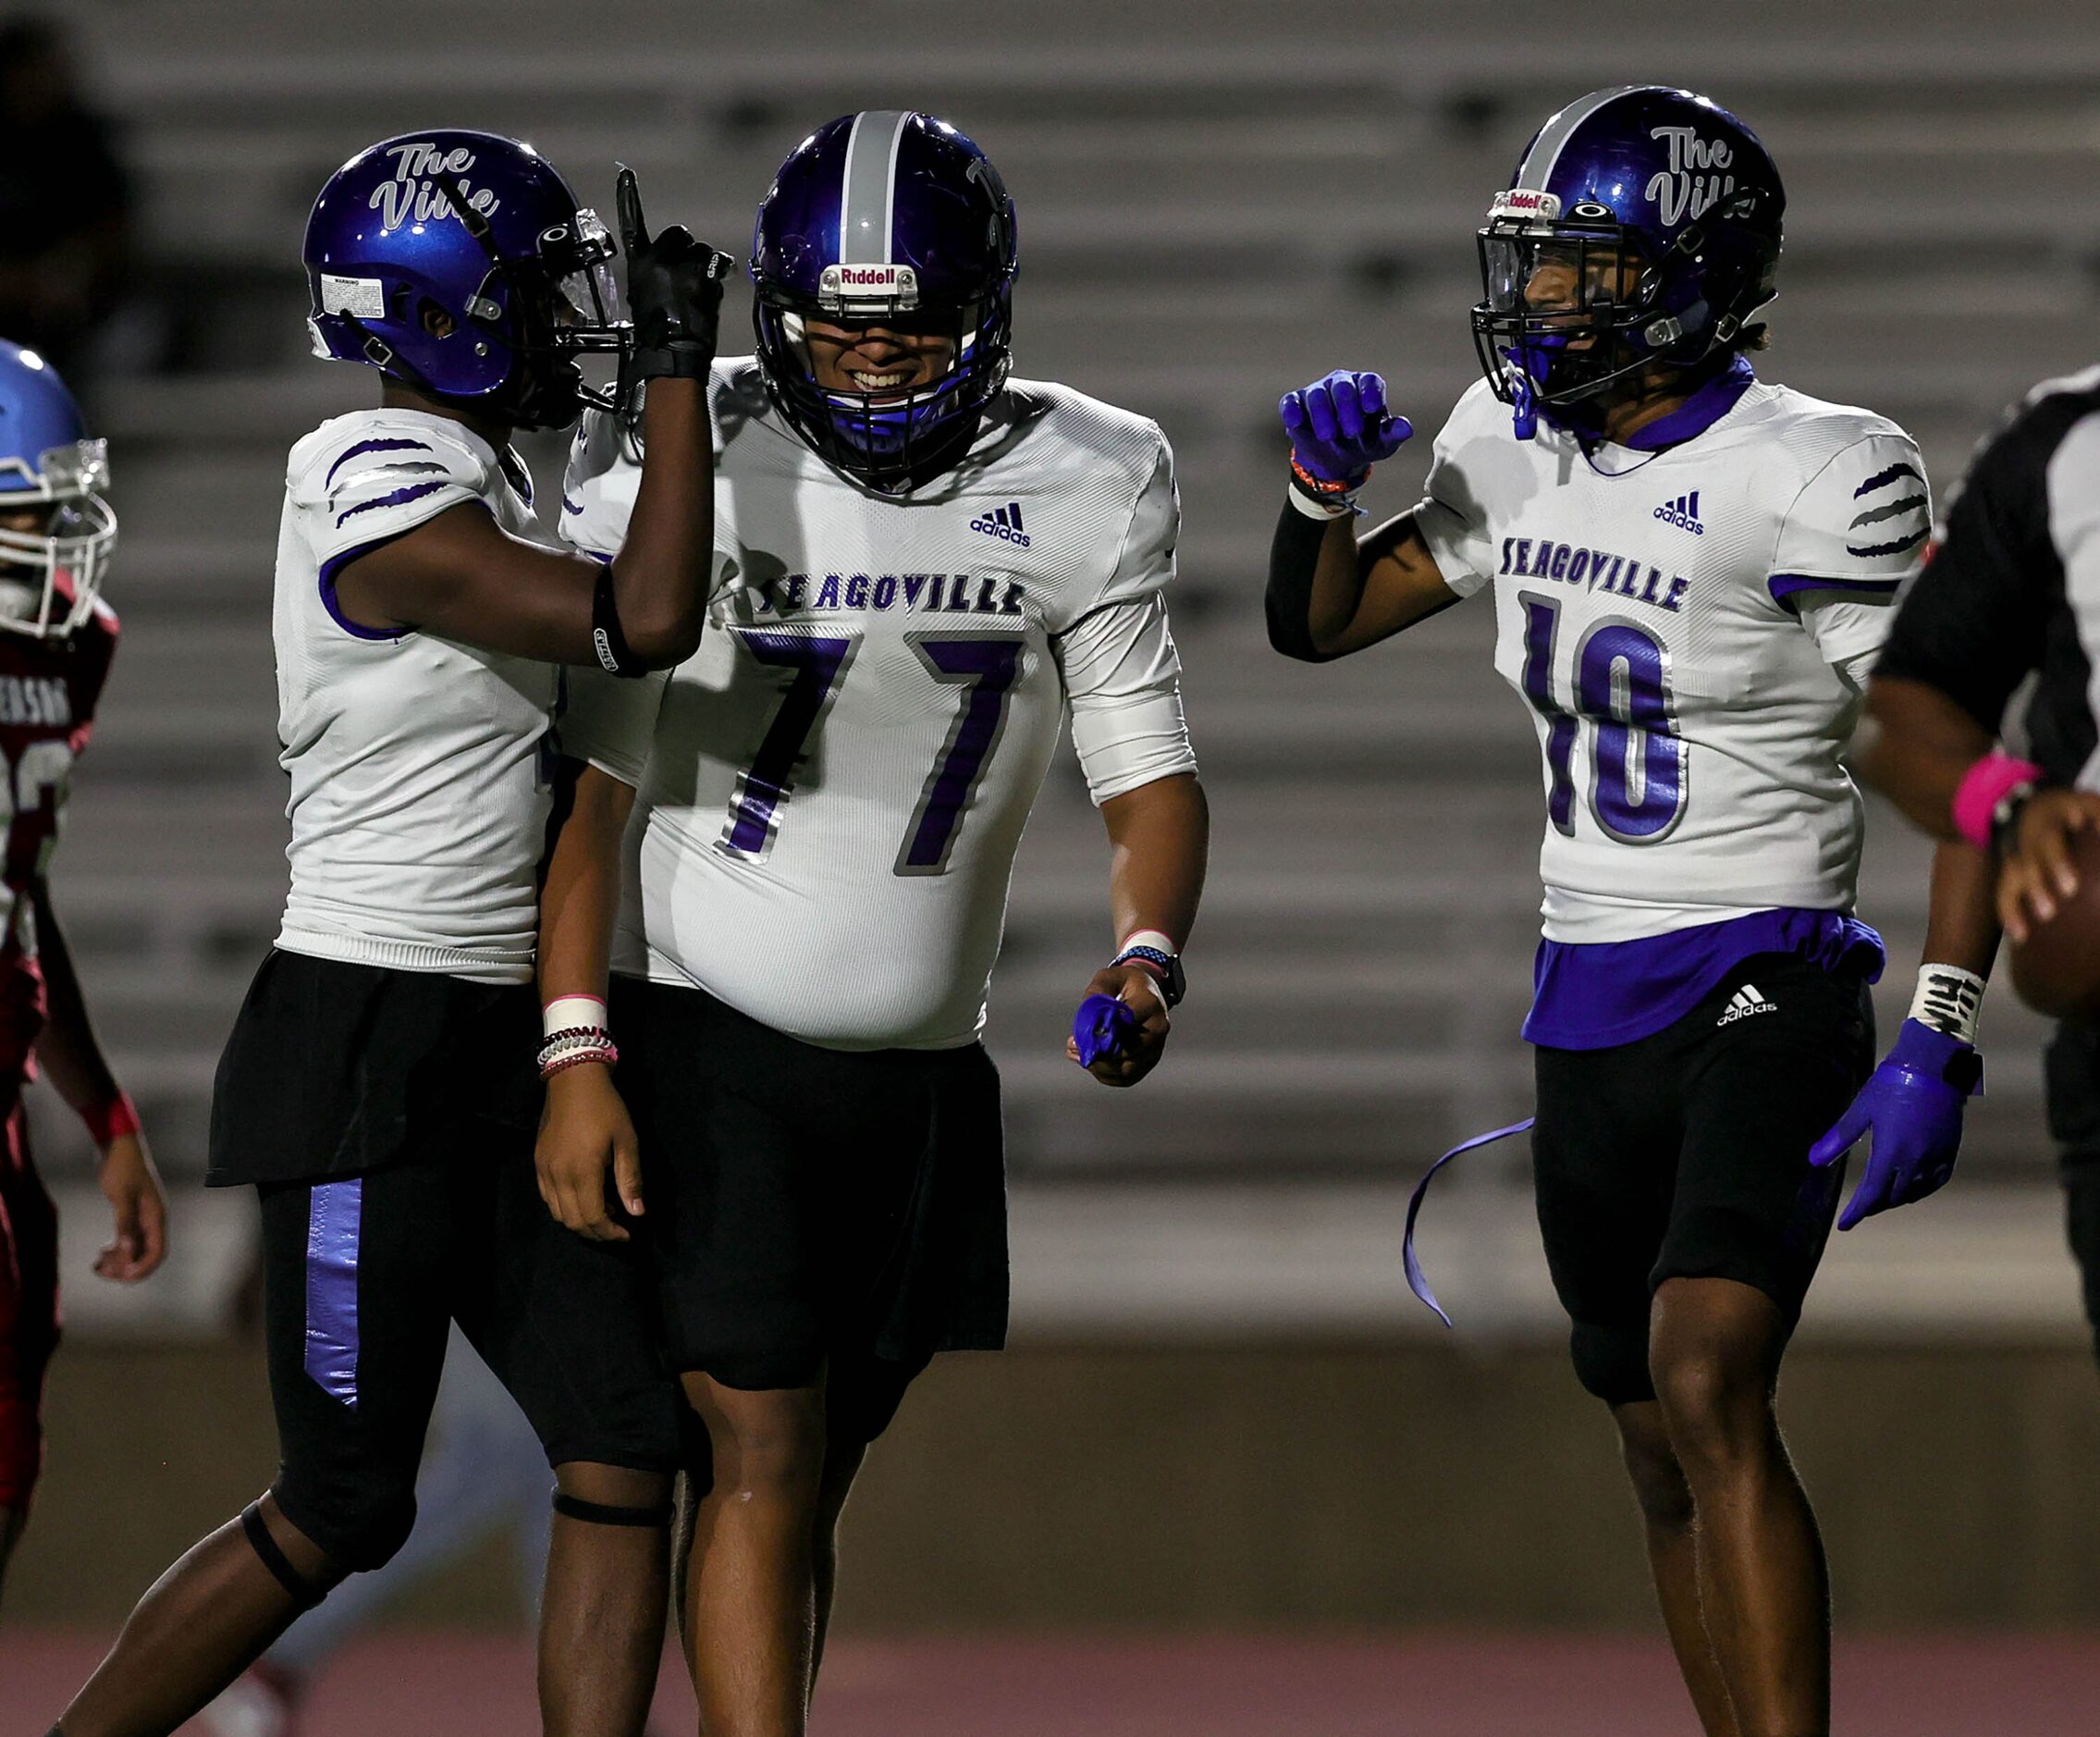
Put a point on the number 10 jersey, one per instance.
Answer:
(1691, 628)
(831, 789)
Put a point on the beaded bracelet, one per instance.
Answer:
(607, 1054)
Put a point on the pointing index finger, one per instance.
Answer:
(627, 205)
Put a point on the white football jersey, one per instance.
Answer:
(1690, 628)
(419, 788)
(832, 789)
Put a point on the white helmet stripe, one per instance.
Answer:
(1539, 161)
(868, 199)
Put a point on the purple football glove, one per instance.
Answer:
(1912, 1106)
(1339, 429)
(1101, 1028)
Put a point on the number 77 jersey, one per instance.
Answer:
(1690, 623)
(831, 791)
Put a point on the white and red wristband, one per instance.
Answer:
(573, 1030)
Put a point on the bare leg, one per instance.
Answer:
(842, 1462)
(602, 1616)
(750, 1603)
(1667, 1517)
(201, 1625)
(1764, 1588)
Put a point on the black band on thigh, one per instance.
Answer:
(257, 1531)
(604, 1514)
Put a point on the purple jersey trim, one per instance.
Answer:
(1785, 587)
(1593, 995)
(374, 446)
(1699, 413)
(398, 498)
(334, 1213)
(331, 569)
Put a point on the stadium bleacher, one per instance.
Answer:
(1211, 211)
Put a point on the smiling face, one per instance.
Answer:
(882, 361)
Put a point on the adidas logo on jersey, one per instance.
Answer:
(1683, 513)
(1003, 522)
(1746, 1001)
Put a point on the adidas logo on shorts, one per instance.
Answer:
(1746, 1001)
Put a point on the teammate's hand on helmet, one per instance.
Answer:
(1339, 428)
(1139, 1052)
(2038, 873)
(131, 1186)
(584, 1131)
(674, 292)
(1912, 1106)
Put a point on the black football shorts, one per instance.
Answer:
(364, 1268)
(1684, 1155)
(813, 1210)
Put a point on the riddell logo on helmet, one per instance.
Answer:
(897, 284)
(1525, 202)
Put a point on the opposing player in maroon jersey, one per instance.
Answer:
(56, 636)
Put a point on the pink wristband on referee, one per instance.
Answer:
(1982, 785)
(111, 1121)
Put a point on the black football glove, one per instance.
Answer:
(674, 292)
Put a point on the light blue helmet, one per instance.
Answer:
(49, 577)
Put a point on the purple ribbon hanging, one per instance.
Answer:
(1416, 1281)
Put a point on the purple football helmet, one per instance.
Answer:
(482, 230)
(1641, 225)
(886, 215)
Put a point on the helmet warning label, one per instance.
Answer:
(361, 298)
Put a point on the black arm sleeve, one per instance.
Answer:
(1294, 559)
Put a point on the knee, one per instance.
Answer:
(771, 1441)
(1717, 1407)
(1658, 1480)
(357, 1525)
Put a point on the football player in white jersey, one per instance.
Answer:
(1692, 570)
(922, 567)
(379, 1086)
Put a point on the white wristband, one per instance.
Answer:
(1949, 1001)
(572, 1013)
(1147, 938)
(1334, 507)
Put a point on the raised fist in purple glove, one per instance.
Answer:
(1339, 429)
(1912, 1106)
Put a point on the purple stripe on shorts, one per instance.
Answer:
(375, 446)
(335, 1210)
